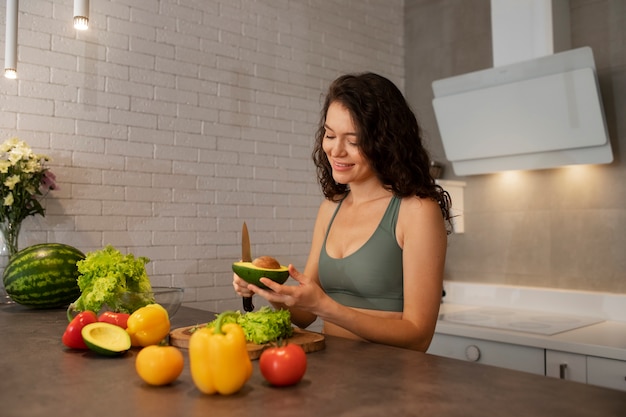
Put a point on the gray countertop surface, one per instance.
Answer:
(40, 377)
(605, 339)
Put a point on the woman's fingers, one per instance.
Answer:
(241, 287)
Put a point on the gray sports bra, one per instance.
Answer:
(371, 277)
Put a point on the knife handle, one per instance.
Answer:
(247, 304)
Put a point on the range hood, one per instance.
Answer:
(534, 114)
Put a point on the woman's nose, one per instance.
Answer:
(338, 148)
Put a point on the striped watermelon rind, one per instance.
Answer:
(43, 275)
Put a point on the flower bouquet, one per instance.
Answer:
(24, 179)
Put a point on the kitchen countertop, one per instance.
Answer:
(40, 377)
(606, 338)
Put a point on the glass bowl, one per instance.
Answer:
(169, 297)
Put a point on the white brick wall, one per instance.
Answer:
(170, 122)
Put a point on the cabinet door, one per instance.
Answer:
(564, 365)
(608, 373)
(504, 355)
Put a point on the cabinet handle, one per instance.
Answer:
(562, 368)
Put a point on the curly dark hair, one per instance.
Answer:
(389, 138)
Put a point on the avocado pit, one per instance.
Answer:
(266, 262)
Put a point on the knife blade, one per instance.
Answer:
(246, 256)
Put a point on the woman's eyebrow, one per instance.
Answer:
(346, 134)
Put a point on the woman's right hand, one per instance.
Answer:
(241, 286)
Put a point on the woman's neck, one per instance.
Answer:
(367, 192)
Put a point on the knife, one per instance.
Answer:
(246, 256)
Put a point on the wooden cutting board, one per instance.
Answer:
(310, 341)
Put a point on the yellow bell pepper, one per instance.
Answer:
(148, 325)
(218, 358)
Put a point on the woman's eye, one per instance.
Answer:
(327, 136)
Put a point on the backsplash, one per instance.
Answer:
(559, 228)
(592, 304)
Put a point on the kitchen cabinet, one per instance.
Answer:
(592, 370)
(503, 355)
(609, 373)
(565, 365)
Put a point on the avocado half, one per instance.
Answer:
(252, 274)
(106, 339)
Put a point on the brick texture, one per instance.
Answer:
(169, 123)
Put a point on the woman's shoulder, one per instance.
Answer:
(324, 214)
(419, 216)
(414, 209)
(418, 203)
(328, 207)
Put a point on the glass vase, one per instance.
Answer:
(9, 233)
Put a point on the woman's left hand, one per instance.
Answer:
(304, 296)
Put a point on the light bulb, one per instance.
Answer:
(81, 23)
(10, 73)
(81, 14)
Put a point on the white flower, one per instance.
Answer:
(11, 181)
(23, 179)
(8, 144)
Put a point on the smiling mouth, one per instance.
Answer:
(339, 165)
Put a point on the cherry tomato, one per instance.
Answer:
(72, 336)
(159, 365)
(283, 365)
(119, 319)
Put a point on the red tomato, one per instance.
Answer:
(283, 365)
(119, 319)
(72, 336)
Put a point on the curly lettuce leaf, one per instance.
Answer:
(262, 326)
(105, 275)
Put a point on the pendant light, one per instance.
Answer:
(81, 14)
(10, 40)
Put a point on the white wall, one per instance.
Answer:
(558, 228)
(170, 122)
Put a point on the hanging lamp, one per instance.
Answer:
(10, 40)
(81, 14)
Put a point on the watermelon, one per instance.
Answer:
(43, 275)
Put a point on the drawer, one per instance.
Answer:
(565, 365)
(608, 373)
(504, 355)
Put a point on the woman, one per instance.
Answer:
(375, 267)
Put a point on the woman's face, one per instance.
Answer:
(341, 145)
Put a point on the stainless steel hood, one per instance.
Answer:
(535, 114)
